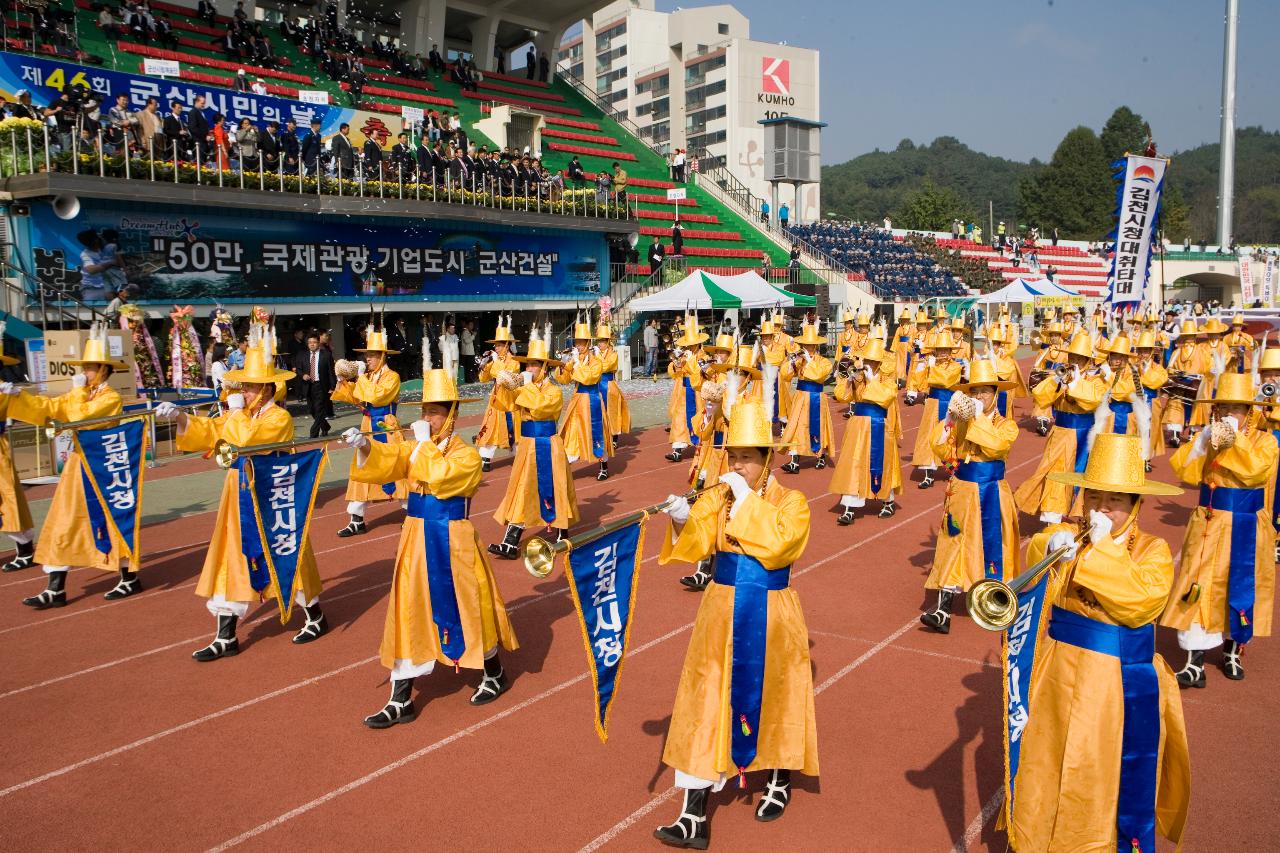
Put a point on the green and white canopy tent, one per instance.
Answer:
(703, 291)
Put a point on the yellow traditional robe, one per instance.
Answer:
(493, 427)
(958, 559)
(1237, 344)
(773, 357)
(380, 388)
(903, 343)
(712, 460)
(797, 431)
(226, 572)
(847, 344)
(681, 371)
(774, 529)
(1053, 355)
(1153, 377)
(67, 536)
(409, 632)
(15, 514)
(1206, 549)
(576, 429)
(616, 403)
(1189, 357)
(852, 474)
(538, 401)
(942, 375)
(1038, 494)
(1067, 790)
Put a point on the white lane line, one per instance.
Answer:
(629, 821)
(974, 831)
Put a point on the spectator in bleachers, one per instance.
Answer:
(177, 135)
(344, 153)
(577, 176)
(139, 28)
(240, 14)
(619, 184)
(657, 254)
(110, 26)
(603, 183)
(764, 212)
(895, 269)
(677, 239)
(242, 81)
(435, 60)
(207, 12)
(530, 63)
(246, 145)
(259, 87)
(544, 68)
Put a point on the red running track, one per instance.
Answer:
(117, 740)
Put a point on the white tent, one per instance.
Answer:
(1021, 290)
(704, 291)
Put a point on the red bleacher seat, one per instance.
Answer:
(230, 82)
(568, 122)
(209, 62)
(524, 93)
(403, 81)
(640, 182)
(408, 96)
(648, 198)
(668, 215)
(511, 78)
(587, 151)
(690, 233)
(578, 137)
(521, 102)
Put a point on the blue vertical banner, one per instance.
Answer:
(113, 460)
(284, 490)
(603, 577)
(1019, 656)
(1141, 183)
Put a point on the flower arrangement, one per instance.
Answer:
(146, 362)
(186, 359)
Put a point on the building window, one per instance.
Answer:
(723, 29)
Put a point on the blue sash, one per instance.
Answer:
(943, 396)
(595, 400)
(1080, 424)
(1243, 504)
(814, 390)
(906, 369)
(1002, 403)
(751, 583)
(436, 513)
(690, 408)
(1275, 493)
(1150, 393)
(1122, 411)
(541, 432)
(98, 516)
(250, 540)
(511, 429)
(877, 416)
(1140, 738)
(378, 425)
(987, 476)
(605, 379)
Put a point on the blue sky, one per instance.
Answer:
(1011, 77)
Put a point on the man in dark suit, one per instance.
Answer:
(371, 155)
(289, 147)
(315, 366)
(198, 127)
(343, 151)
(311, 149)
(175, 131)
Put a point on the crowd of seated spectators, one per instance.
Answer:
(896, 270)
(975, 272)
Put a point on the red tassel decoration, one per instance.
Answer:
(742, 777)
(1134, 846)
(1244, 620)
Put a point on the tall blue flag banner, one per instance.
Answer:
(1019, 656)
(1141, 182)
(283, 491)
(603, 577)
(113, 473)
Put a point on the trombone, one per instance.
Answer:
(56, 426)
(225, 453)
(540, 555)
(993, 604)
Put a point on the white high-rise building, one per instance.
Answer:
(694, 79)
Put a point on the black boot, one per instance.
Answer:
(314, 628)
(939, 619)
(821, 463)
(224, 645)
(1192, 673)
(399, 708)
(509, 547)
(603, 473)
(493, 685)
(691, 829)
(888, 509)
(485, 466)
(24, 559)
(927, 481)
(673, 456)
(354, 527)
(130, 584)
(54, 595)
(1232, 655)
(701, 575)
(847, 517)
(792, 467)
(777, 793)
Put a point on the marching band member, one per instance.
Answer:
(853, 341)
(1189, 358)
(1124, 402)
(960, 334)
(1152, 377)
(1239, 345)
(445, 605)
(775, 347)
(1007, 369)
(15, 514)
(1051, 357)
(937, 376)
(868, 465)
(978, 537)
(861, 336)
(1074, 399)
(616, 407)
(940, 325)
(1070, 322)
(809, 429)
(540, 490)
(903, 346)
(745, 700)
(1269, 419)
(377, 393)
(686, 372)
(252, 418)
(1103, 763)
(499, 427)
(586, 432)
(846, 344)
(70, 537)
(1217, 357)
(1226, 579)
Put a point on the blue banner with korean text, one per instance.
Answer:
(113, 460)
(1019, 656)
(284, 494)
(603, 576)
(1141, 181)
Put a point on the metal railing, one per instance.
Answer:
(32, 149)
(608, 109)
(46, 296)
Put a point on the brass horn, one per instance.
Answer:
(993, 604)
(540, 554)
(225, 453)
(56, 426)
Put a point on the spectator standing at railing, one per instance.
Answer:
(344, 153)
(198, 128)
(269, 147)
(221, 140)
(371, 157)
(311, 148)
(21, 106)
(247, 145)
(784, 216)
(677, 239)
(207, 11)
(619, 184)
(530, 63)
(402, 158)
(764, 212)
(435, 60)
(603, 183)
(149, 124)
(544, 68)
(177, 137)
(657, 253)
(120, 124)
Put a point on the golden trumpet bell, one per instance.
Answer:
(539, 556)
(992, 605)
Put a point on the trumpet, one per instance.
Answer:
(56, 426)
(540, 555)
(226, 454)
(993, 604)
(485, 359)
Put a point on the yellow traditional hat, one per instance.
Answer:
(982, 373)
(1237, 320)
(1270, 359)
(1120, 345)
(943, 340)
(1081, 344)
(1055, 328)
(875, 351)
(847, 316)
(1233, 388)
(502, 335)
(604, 332)
(1116, 465)
(376, 341)
(751, 426)
(1188, 327)
(539, 349)
(744, 362)
(766, 328)
(583, 332)
(957, 325)
(922, 316)
(1214, 326)
(96, 350)
(1147, 340)
(997, 335)
(440, 386)
(260, 360)
(906, 316)
(724, 343)
(692, 334)
(1069, 311)
(810, 335)
(6, 360)
(864, 319)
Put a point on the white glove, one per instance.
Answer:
(235, 401)
(678, 508)
(1099, 526)
(1201, 447)
(526, 378)
(911, 396)
(1231, 421)
(870, 374)
(1076, 375)
(1064, 539)
(977, 406)
(1106, 370)
(737, 484)
(166, 410)
(353, 438)
(931, 361)
(79, 380)
(8, 388)
(421, 430)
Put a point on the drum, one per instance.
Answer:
(1182, 386)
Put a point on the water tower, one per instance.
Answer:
(791, 156)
